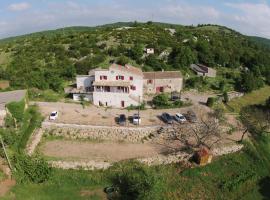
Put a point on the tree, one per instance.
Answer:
(250, 82)
(122, 60)
(182, 57)
(206, 132)
(137, 182)
(161, 100)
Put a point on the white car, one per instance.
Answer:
(136, 119)
(53, 115)
(180, 118)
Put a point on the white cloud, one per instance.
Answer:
(19, 6)
(251, 18)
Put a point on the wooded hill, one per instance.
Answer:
(46, 60)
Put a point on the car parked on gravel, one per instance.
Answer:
(191, 116)
(136, 119)
(122, 120)
(167, 118)
(180, 118)
(53, 115)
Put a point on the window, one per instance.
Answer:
(133, 87)
(131, 78)
(103, 77)
(119, 77)
(149, 81)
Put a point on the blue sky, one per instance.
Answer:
(251, 17)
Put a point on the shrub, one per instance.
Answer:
(161, 100)
(123, 60)
(225, 97)
(17, 109)
(135, 181)
(31, 169)
(267, 103)
(210, 102)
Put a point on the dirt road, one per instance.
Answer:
(109, 152)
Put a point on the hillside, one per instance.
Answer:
(262, 41)
(47, 60)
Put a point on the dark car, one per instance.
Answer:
(122, 120)
(191, 116)
(167, 118)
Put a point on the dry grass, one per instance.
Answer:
(255, 97)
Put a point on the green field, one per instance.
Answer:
(255, 97)
(237, 176)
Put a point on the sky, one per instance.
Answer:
(17, 17)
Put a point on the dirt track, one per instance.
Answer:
(110, 152)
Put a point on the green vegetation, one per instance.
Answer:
(255, 97)
(15, 136)
(17, 110)
(211, 101)
(162, 101)
(48, 60)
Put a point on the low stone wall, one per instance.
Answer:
(87, 165)
(107, 133)
(219, 151)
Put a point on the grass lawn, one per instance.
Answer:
(255, 97)
(236, 176)
(63, 184)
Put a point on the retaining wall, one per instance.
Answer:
(73, 131)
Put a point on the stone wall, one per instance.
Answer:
(108, 133)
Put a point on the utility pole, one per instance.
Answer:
(3, 145)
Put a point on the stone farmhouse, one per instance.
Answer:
(202, 70)
(158, 82)
(122, 86)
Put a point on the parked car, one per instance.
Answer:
(136, 119)
(191, 116)
(180, 118)
(122, 120)
(53, 115)
(167, 118)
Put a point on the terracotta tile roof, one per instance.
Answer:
(127, 68)
(162, 75)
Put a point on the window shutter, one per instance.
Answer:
(100, 77)
(116, 77)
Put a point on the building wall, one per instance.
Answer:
(87, 97)
(113, 99)
(211, 73)
(169, 85)
(84, 81)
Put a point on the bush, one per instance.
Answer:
(17, 110)
(225, 97)
(136, 182)
(31, 169)
(123, 60)
(161, 100)
(210, 102)
(267, 103)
